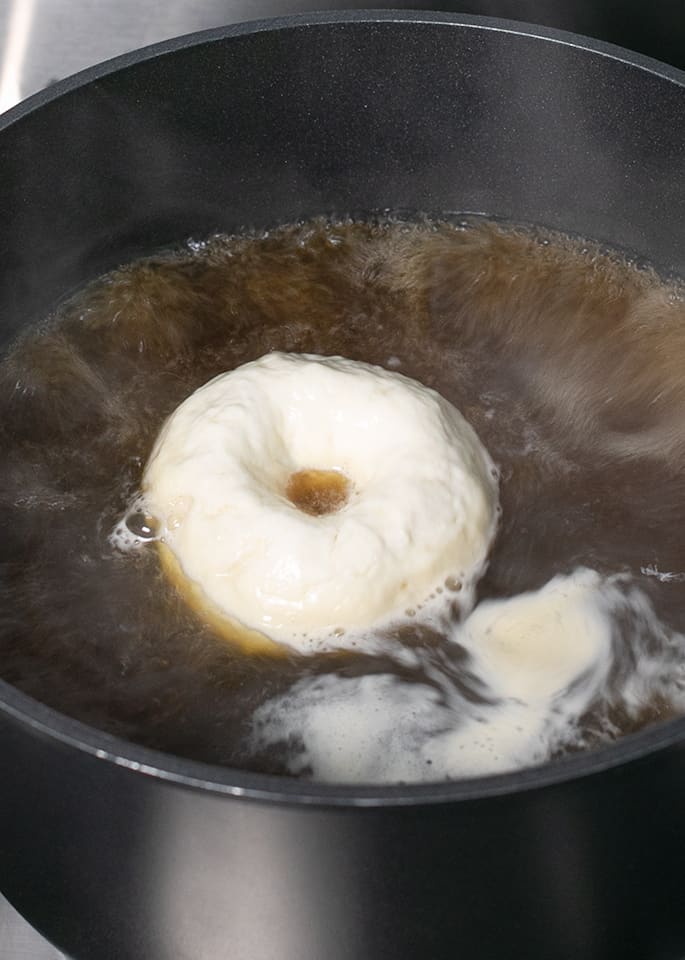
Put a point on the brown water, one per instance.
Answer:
(568, 362)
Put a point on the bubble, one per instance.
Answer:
(135, 529)
(141, 526)
(453, 585)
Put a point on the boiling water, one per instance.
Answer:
(568, 363)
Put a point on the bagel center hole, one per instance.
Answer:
(318, 492)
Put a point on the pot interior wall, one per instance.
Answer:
(262, 128)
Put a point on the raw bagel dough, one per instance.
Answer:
(415, 498)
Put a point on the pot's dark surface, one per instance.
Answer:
(119, 853)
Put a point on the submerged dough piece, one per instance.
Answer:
(538, 661)
(418, 501)
(536, 645)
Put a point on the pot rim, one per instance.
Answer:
(50, 724)
(332, 17)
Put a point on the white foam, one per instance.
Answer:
(663, 576)
(536, 664)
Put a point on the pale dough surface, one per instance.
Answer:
(422, 508)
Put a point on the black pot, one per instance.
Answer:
(117, 852)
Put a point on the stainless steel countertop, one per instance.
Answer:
(44, 40)
(19, 941)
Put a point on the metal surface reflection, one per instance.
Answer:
(20, 23)
(19, 941)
